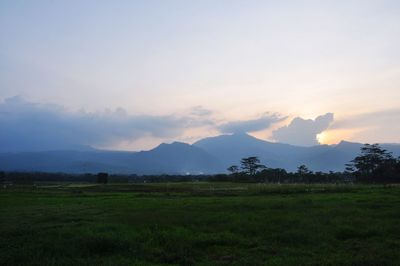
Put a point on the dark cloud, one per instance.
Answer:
(265, 121)
(31, 126)
(303, 132)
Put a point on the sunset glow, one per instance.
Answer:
(182, 71)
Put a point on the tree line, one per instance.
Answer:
(373, 165)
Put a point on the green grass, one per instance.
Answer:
(199, 224)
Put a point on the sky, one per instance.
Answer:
(130, 74)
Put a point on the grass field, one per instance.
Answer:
(199, 224)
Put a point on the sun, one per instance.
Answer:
(334, 136)
(329, 137)
(323, 138)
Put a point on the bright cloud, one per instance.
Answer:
(303, 131)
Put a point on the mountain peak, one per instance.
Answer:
(236, 138)
(174, 144)
(347, 143)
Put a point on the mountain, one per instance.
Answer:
(206, 156)
(229, 149)
(175, 158)
(68, 161)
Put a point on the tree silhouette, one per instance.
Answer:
(2, 177)
(370, 159)
(374, 164)
(251, 165)
(234, 169)
(102, 178)
(304, 174)
(302, 170)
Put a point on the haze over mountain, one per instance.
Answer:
(206, 156)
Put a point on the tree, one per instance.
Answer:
(302, 170)
(233, 169)
(102, 178)
(373, 164)
(371, 157)
(251, 165)
(349, 168)
(2, 177)
(304, 174)
(274, 175)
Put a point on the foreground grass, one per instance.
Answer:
(200, 224)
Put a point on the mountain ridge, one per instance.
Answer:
(206, 156)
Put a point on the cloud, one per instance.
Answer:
(265, 121)
(382, 126)
(379, 118)
(32, 126)
(303, 132)
(200, 111)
